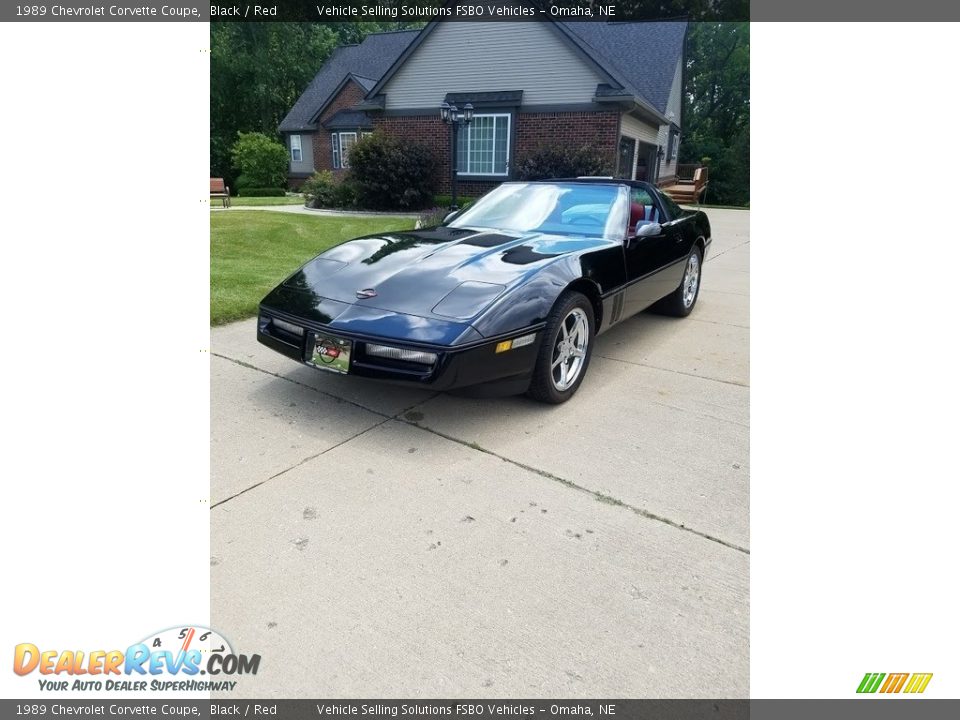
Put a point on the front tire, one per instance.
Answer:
(565, 350)
(681, 301)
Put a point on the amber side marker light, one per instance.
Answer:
(515, 343)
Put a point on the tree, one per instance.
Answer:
(716, 112)
(262, 161)
(258, 70)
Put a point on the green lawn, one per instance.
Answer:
(251, 251)
(242, 201)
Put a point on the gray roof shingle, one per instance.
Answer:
(642, 55)
(367, 62)
(348, 120)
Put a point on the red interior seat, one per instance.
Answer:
(637, 213)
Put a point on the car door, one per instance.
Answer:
(680, 232)
(646, 256)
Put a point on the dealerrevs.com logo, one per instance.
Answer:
(910, 683)
(179, 659)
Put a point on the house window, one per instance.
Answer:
(296, 150)
(483, 146)
(342, 142)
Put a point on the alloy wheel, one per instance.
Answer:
(691, 280)
(570, 349)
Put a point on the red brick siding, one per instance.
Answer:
(349, 95)
(598, 129)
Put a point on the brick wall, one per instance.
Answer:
(576, 129)
(349, 95)
(598, 129)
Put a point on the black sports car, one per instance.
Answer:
(506, 296)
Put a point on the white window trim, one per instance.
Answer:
(336, 142)
(506, 160)
(298, 147)
(674, 145)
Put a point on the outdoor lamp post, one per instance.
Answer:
(454, 117)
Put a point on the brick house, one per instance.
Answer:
(614, 86)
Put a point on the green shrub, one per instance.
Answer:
(323, 190)
(261, 192)
(320, 190)
(346, 195)
(444, 201)
(261, 160)
(560, 161)
(389, 174)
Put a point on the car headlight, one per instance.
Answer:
(392, 353)
(288, 327)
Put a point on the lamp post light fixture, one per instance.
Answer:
(454, 117)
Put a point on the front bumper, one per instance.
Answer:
(475, 364)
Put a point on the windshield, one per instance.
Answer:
(558, 208)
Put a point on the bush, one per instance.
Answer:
(261, 192)
(323, 190)
(444, 201)
(346, 195)
(320, 189)
(388, 174)
(560, 161)
(262, 161)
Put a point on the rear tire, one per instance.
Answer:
(681, 301)
(565, 349)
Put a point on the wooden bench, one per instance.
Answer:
(219, 190)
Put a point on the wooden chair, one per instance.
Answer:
(219, 190)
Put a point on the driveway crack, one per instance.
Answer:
(386, 417)
(298, 464)
(677, 372)
(399, 416)
(724, 252)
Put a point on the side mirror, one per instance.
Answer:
(450, 216)
(650, 229)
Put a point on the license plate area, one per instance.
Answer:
(329, 352)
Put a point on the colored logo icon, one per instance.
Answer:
(894, 683)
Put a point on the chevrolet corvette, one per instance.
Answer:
(506, 296)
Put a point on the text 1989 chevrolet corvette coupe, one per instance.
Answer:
(504, 297)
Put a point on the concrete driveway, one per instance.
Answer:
(374, 541)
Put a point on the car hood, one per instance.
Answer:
(445, 273)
